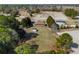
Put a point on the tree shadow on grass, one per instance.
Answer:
(34, 48)
(74, 45)
(29, 36)
(24, 36)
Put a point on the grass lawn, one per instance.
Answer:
(45, 38)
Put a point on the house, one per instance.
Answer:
(40, 23)
(71, 23)
(59, 17)
(61, 23)
(55, 27)
(23, 12)
(20, 18)
(76, 17)
(5, 14)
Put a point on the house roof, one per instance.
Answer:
(40, 22)
(60, 23)
(58, 16)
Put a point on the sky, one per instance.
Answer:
(39, 1)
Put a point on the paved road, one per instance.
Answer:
(75, 35)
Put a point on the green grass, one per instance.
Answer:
(45, 39)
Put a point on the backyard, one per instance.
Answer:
(45, 39)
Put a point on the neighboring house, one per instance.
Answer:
(20, 18)
(57, 16)
(55, 27)
(7, 14)
(71, 24)
(40, 23)
(23, 12)
(76, 17)
(61, 23)
(1, 13)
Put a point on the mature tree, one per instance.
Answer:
(12, 22)
(9, 21)
(62, 45)
(26, 22)
(71, 12)
(7, 40)
(65, 40)
(50, 21)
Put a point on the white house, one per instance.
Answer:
(57, 16)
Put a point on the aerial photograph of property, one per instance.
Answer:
(39, 29)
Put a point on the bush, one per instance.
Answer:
(26, 22)
(71, 12)
(64, 41)
(50, 21)
(23, 49)
(12, 22)
(7, 40)
(3, 20)
(9, 22)
(26, 49)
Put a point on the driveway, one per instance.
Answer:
(75, 36)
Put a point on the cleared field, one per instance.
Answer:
(45, 38)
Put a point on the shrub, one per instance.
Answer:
(7, 40)
(71, 12)
(23, 49)
(26, 49)
(9, 22)
(65, 40)
(50, 21)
